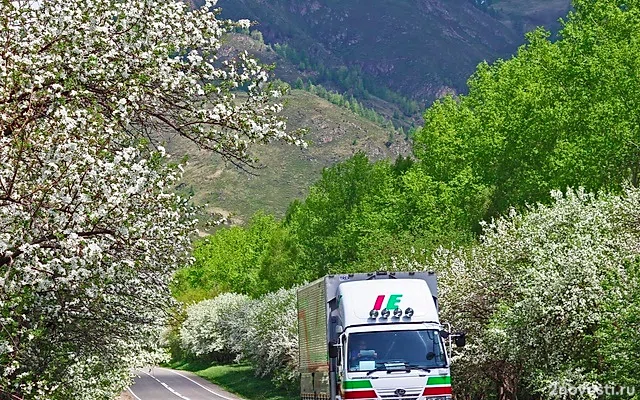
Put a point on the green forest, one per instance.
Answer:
(347, 79)
(521, 194)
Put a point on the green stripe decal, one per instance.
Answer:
(439, 380)
(360, 384)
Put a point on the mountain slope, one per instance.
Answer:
(334, 135)
(525, 15)
(420, 48)
(287, 71)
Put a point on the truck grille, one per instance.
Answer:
(394, 397)
(390, 394)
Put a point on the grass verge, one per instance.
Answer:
(238, 379)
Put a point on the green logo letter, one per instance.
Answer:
(394, 300)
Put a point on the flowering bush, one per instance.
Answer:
(90, 231)
(214, 327)
(263, 332)
(547, 297)
(271, 339)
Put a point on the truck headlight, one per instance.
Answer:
(397, 313)
(385, 313)
(408, 312)
(373, 314)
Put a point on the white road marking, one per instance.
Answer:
(204, 387)
(133, 394)
(169, 388)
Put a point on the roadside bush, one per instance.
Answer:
(212, 327)
(548, 298)
(262, 332)
(271, 336)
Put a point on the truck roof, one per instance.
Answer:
(363, 302)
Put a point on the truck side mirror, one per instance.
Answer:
(460, 339)
(334, 350)
(444, 334)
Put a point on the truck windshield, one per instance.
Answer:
(420, 349)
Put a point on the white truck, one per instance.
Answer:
(373, 336)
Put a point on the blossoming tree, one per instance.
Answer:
(90, 231)
(549, 299)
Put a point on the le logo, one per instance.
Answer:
(392, 304)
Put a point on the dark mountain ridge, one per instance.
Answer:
(420, 48)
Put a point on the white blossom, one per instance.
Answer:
(214, 326)
(90, 231)
(263, 332)
(539, 288)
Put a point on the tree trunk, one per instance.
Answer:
(508, 383)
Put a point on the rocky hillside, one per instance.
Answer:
(420, 48)
(525, 15)
(286, 172)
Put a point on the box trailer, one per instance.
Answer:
(373, 336)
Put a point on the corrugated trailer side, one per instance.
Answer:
(312, 339)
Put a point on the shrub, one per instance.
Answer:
(548, 297)
(262, 332)
(271, 336)
(211, 327)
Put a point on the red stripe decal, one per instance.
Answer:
(360, 394)
(378, 304)
(437, 391)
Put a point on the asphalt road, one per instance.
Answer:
(166, 384)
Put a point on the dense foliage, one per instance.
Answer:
(548, 298)
(262, 332)
(90, 229)
(359, 216)
(228, 261)
(558, 114)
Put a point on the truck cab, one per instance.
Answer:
(383, 337)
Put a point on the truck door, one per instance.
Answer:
(341, 363)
